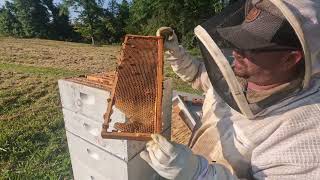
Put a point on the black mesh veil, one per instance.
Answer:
(252, 25)
(217, 55)
(231, 16)
(219, 84)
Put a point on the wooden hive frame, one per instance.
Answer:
(140, 69)
(102, 81)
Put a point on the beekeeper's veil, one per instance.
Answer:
(246, 25)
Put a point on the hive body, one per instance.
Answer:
(84, 102)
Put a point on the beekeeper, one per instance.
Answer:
(261, 115)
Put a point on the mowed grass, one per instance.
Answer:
(33, 144)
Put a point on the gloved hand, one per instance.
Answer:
(170, 38)
(171, 160)
(179, 59)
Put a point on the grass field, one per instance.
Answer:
(32, 136)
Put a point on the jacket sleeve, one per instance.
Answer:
(189, 69)
(213, 172)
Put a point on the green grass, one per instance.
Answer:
(43, 71)
(177, 83)
(32, 139)
(33, 144)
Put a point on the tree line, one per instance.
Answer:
(100, 23)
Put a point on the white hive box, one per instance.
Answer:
(84, 105)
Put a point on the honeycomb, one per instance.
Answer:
(134, 126)
(138, 88)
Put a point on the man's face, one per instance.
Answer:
(262, 68)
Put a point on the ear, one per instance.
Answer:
(293, 58)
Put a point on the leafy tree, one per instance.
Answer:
(122, 19)
(90, 22)
(59, 27)
(33, 16)
(9, 25)
(140, 12)
(193, 13)
(42, 18)
(146, 16)
(117, 18)
(113, 7)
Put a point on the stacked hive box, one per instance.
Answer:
(84, 102)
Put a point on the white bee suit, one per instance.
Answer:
(280, 142)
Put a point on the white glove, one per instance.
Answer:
(170, 38)
(170, 160)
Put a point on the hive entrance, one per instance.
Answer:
(137, 91)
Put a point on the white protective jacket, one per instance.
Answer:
(282, 141)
